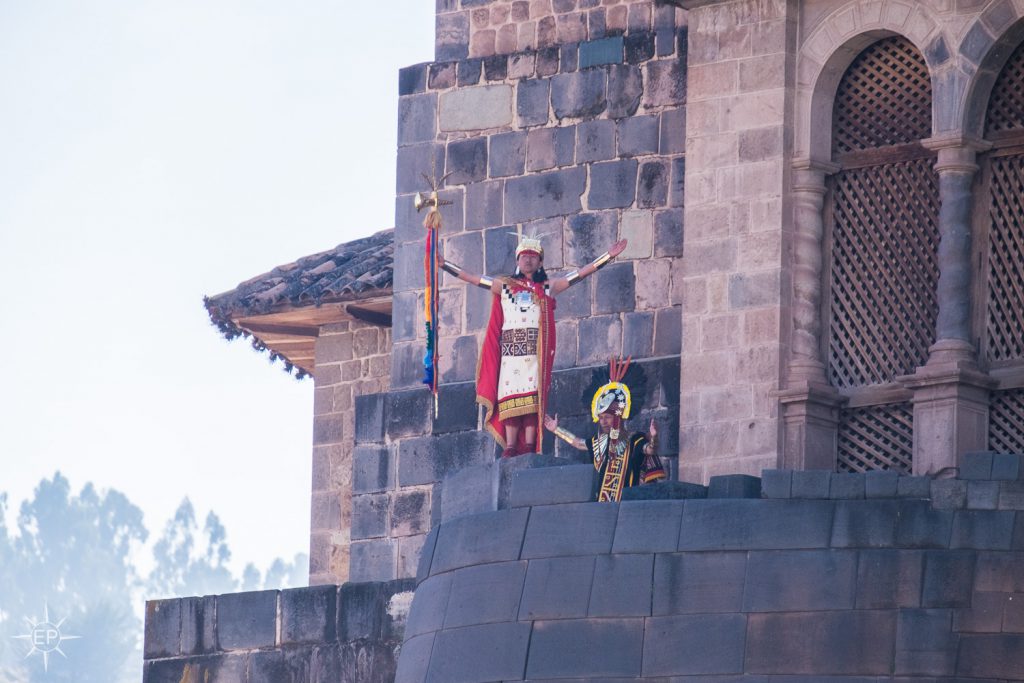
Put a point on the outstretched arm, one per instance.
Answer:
(481, 281)
(560, 284)
(551, 423)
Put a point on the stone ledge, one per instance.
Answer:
(665, 490)
(552, 485)
(212, 631)
(734, 486)
(986, 481)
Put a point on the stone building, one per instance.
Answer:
(823, 205)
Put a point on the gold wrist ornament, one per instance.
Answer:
(565, 435)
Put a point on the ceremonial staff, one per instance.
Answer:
(432, 223)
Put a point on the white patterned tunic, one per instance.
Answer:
(518, 378)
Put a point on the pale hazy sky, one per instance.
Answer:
(151, 152)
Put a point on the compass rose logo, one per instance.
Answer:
(45, 637)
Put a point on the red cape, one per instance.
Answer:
(489, 364)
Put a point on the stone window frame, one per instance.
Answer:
(964, 67)
(1007, 397)
(880, 408)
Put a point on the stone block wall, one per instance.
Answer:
(352, 359)
(320, 634)
(579, 142)
(741, 57)
(838, 577)
(482, 28)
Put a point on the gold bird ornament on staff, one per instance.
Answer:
(431, 202)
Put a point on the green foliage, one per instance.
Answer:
(71, 559)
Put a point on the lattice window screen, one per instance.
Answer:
(1006, 104)
(885, 98)
(882, 305)
(1003, 322)
(876, 438)
(1006, 421)
(883, 302)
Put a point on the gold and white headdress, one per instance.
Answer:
(529, 244)
(615, 395)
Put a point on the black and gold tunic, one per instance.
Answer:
(622, 462)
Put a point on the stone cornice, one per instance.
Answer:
(695, 4)
(956, 140)
(809, 164)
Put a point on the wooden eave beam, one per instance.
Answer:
(374, 316)
(292, 331)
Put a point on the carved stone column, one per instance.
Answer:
(951, 395)
(810, 407)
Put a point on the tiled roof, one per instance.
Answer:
(351, 272)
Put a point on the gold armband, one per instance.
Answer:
(454, 269)
(451, 268)
(565, 435)
(574, 276)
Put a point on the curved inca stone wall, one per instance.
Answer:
(840, 588)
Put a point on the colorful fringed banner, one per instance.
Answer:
(431, 297)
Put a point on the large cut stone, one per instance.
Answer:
(556, 193)
(579, 95)
(479, 108)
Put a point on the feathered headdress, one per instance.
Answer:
(616, 394)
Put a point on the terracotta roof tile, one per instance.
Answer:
(348, 272)
(352, 271)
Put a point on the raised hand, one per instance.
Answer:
(653, 429)
(551, 423)
(617, 248)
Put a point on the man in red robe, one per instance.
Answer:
(518, 352)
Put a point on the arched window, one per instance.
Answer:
(881, 239)
(999, 322)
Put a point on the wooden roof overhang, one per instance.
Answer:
(283, 311)
(291, 331)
